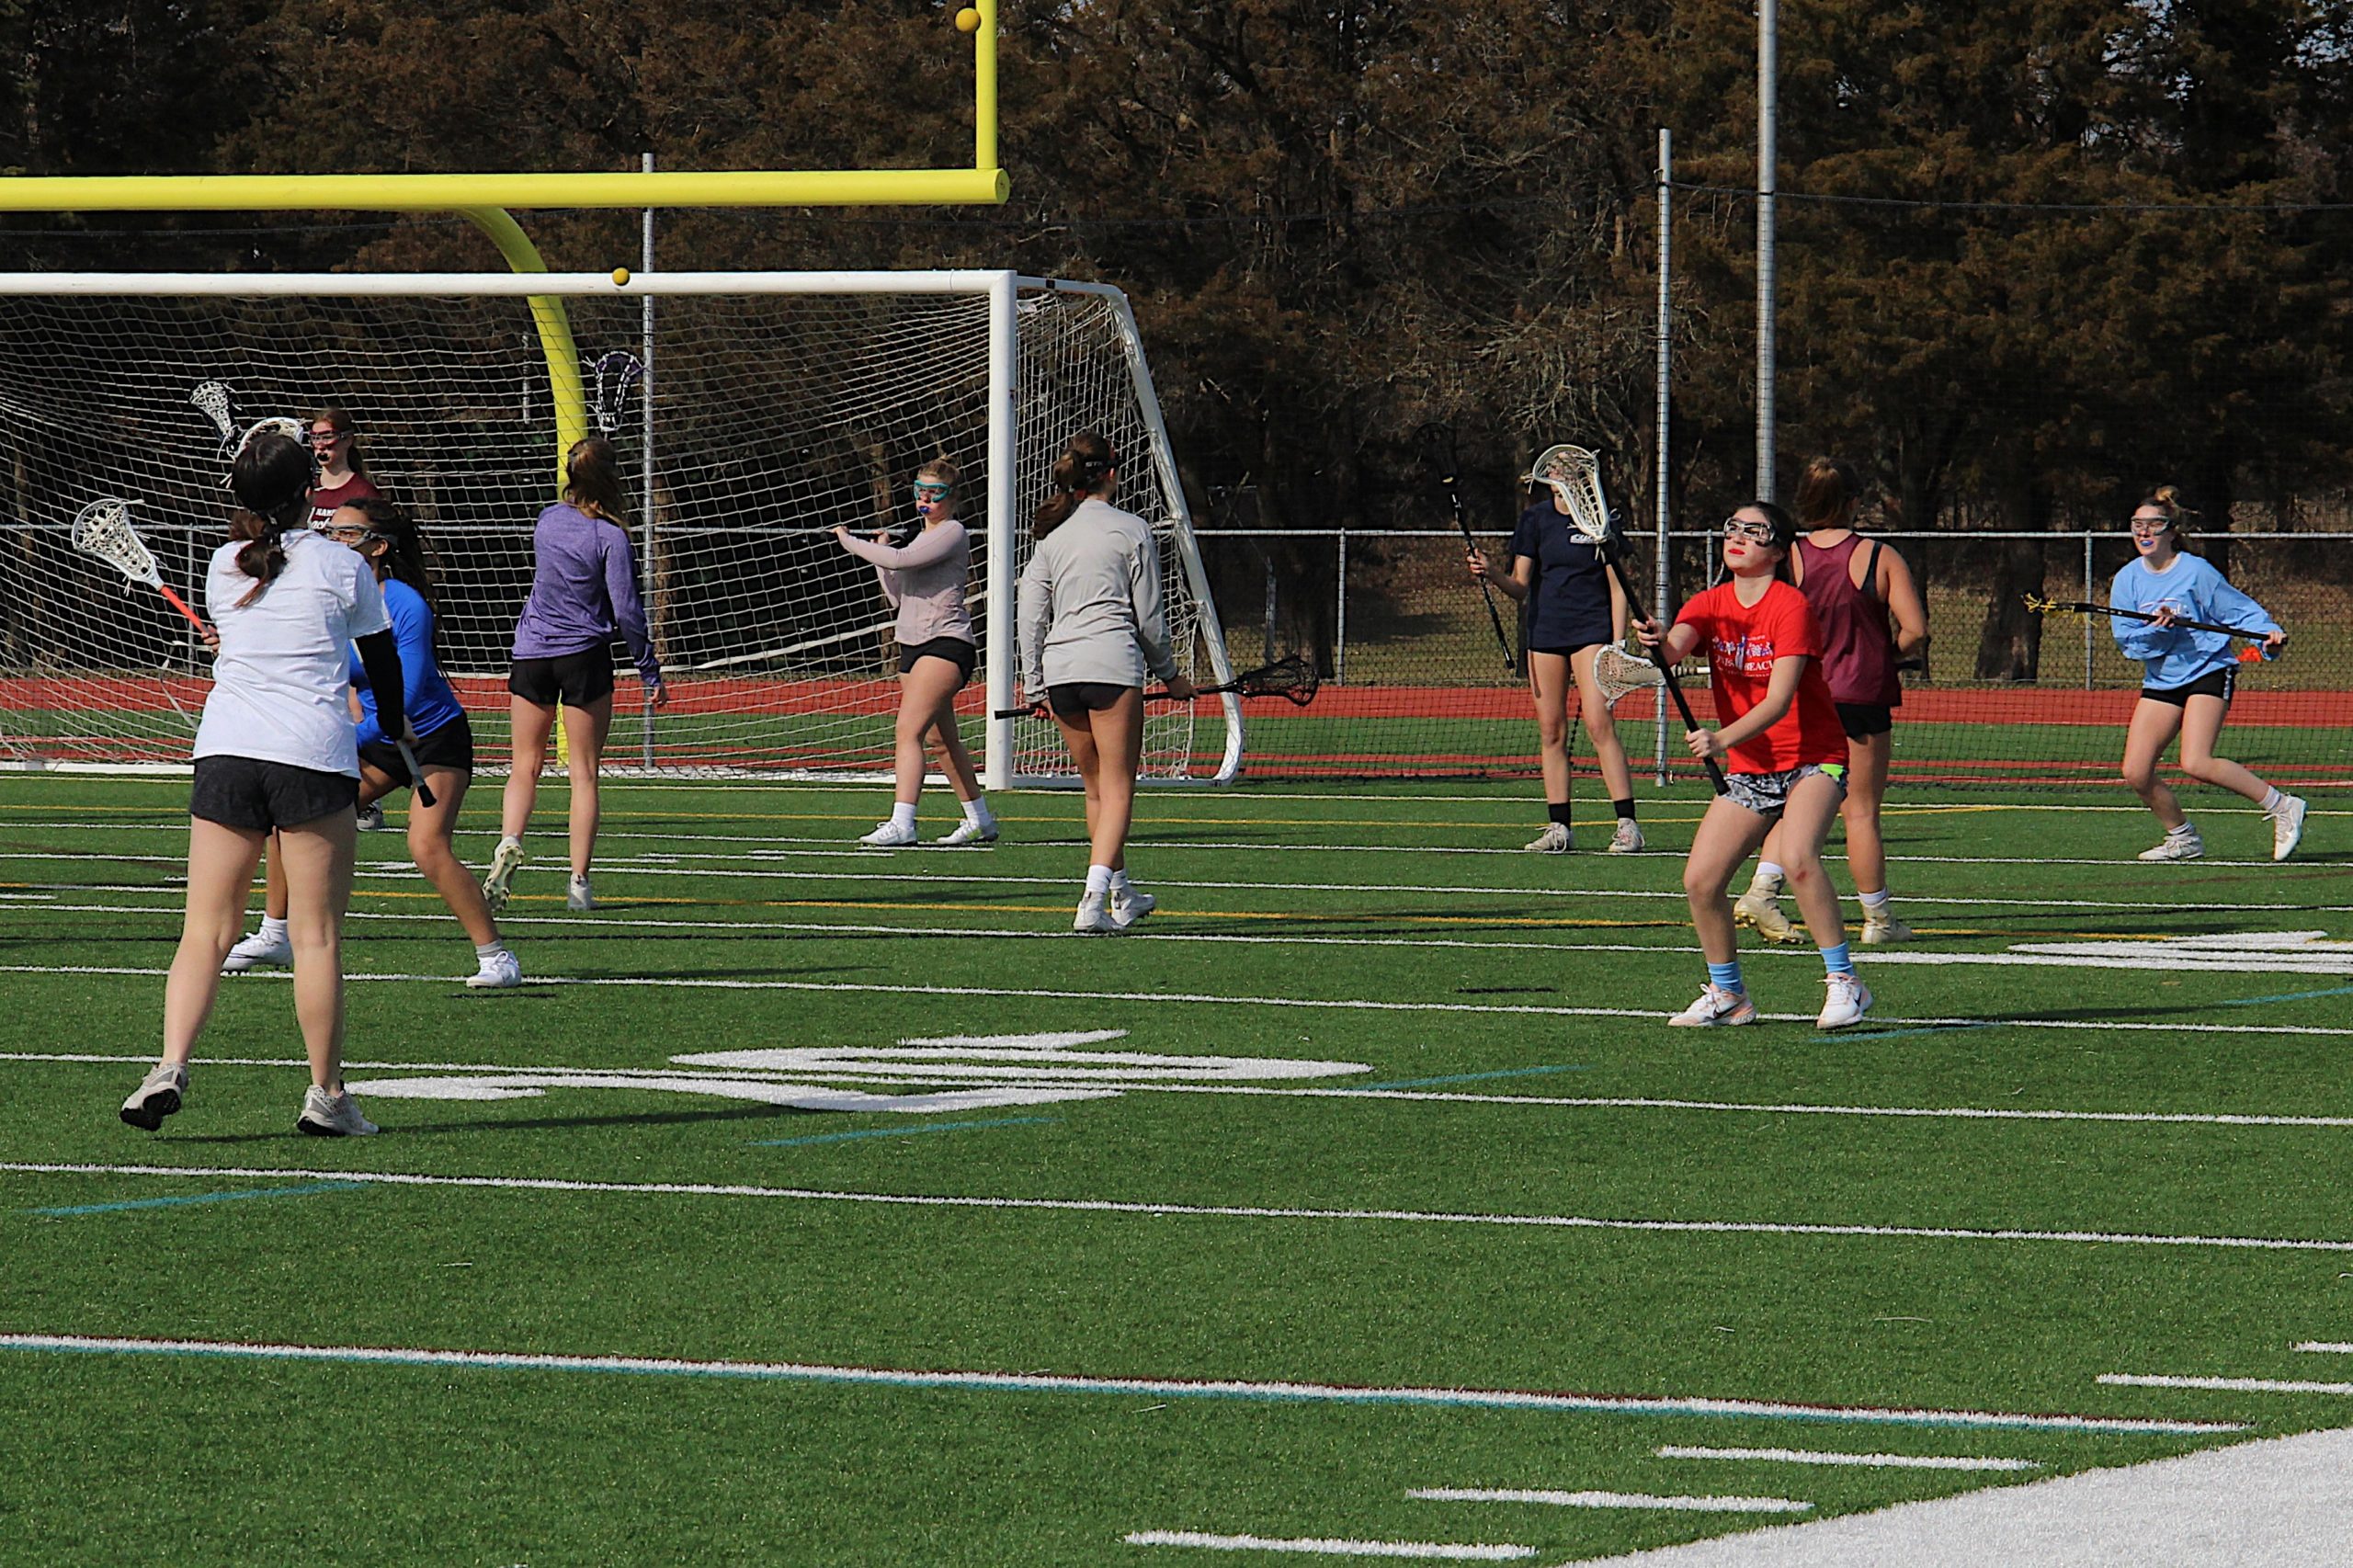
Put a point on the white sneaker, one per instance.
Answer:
(577, 896)
(968, 832)
(1626, 840)
(2183, 844)
(500, 971)
(503, 866)
(258, 951)
(1094, 919)
(888, 836)
(1762, 911)
(1848, 1001)
(158, 1096)
(1131, 903)
(2288, 826)
(1716, 1006)
(331, 1116)
(1881, 927)
(371, 817)
(1553, 840)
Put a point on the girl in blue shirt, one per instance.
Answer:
(2188, 688)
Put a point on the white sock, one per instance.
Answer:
(274, 928)
(2184, 831)
(1119, 879)
(510, 839)
(902, 813)
(1768, 878)
(1873, 900)
(1098, 879)
(486, 949)
(2271, 799)
(976, 810)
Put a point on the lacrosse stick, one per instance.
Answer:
(1438, 441)
(103, 530)
(214, 400)
(616, 373)
(1292, 678)
(1575, 475)
(2039, 606)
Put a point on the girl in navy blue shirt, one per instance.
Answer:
(1573, 608)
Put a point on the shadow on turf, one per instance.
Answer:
(531, 1124)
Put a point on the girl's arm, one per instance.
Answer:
(2137, 638)
(620, 587)
(930, 546)
(1034, 599)
(1905, 606)
(1618, 607)
(1672, 648)
(1780, 691)
(1151, 611)
(2230, 606)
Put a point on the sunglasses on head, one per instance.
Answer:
(1744, 528)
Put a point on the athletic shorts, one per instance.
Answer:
(243, 793)
(1568, 649)
(451, 747)
(1767, 794)
(1863, 720)
(955, 650)
(1080, 698)
(2213, 683)
(575, 679)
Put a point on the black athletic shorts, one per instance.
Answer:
(1569, 650)
(451, 745)
(1079, 698)
(1863, 720)
(575, 679)
(2213, 683)
(243, 793)
(955, 650)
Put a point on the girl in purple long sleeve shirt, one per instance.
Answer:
(924, 579)
(583, 594)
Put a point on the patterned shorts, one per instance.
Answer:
(1767, 794)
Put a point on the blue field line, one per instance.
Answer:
(1472, 1077)
(2289, 996)
(900, 1132)
(1899, 1034)
(1033, 1383)
(305, 1191)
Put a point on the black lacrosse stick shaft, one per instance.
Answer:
(1440, 442)
(2085, 606)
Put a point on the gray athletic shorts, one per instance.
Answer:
(1767, 794)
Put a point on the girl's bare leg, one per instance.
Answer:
(1725, 837)
(318, 858)
(221, 863)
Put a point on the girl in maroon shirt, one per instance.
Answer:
(1872, 617)
(342, 470)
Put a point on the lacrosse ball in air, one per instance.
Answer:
(968, 20)
(620, 276)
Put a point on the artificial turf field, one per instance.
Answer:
(1395, 1182)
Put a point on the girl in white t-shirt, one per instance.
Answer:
(277, 752)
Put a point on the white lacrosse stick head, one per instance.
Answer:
(213, 399)
(1575, 475)
(103, 530)
(616, 373)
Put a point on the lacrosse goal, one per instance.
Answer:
(772, 408)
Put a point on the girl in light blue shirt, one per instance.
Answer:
(2187, 690)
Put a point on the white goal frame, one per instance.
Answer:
(1005, 533)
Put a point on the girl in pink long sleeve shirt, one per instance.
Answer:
(925, 579)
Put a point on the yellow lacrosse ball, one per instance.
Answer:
(620, 276)
(968, 20)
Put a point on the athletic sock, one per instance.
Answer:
(274, 928)
(2271, 799)
(485, 949)
(1120, 878)
(2184, 831)
(1837, 959)
(976, 812)
(1625, 808)
(1768, 880)
(1098, 879)
(1726, 977)
(902, 813)
(1557, 810)
(1872, 901)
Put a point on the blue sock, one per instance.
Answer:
(1837, 960)
(1726, 977)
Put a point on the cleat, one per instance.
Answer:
(1130, 904)
(2183, 844)
(1715, 1007)
(258, 951)
(1762, 911)
(970, 832)
(889, 835)
(1626, 840)
(371, 817)
(577, 896)
(1880, 926)
(331, 1116)
(158, 1096)
(1848, 1001)
(1094, 919)
(503, 866)
(499, 972)
(1553, 840)
(2288, 826)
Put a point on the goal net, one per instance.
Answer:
(772, 409)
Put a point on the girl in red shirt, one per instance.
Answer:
(1784, 752)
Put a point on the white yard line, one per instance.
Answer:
(2222, 1385)
(1819, 1456)
(1612, 1500)
(1224, 1211)
(1321, 1546)
(1251, 1391)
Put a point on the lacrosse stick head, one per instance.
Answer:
(103, 530)
(1292, 678)
(213, 401)
(276, 425)
(1619, 673)
(1573, 475)
(616, 373)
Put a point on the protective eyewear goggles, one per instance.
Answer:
(1747, 528)
(930, 490)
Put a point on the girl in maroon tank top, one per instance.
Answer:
(1872, 618)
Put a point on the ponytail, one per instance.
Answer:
(592, 480)
(404, 553)
(272, 482)
(1078, 473)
